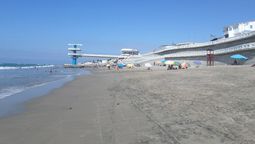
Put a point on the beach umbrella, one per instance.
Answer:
(130, 65)
(158, 62)
(148, 65)
(239, 57)
(168, 62)
(185, 65)
(163, 60)
(197, 62)
(177, 63)
(172, 63)
(121, 65)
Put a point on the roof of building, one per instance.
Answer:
(128, 49)
(236, 24)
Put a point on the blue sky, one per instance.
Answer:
(38, 31)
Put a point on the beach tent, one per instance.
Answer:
(148, 65)
(104, 62)
(121, 65)
(238, 57)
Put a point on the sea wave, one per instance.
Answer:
(15, 90)
(24, 67)
(8, 68)
(6, 92)
(10, 91)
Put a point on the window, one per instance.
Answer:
(251, 26)
(235, 27)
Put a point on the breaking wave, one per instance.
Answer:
(25, 67)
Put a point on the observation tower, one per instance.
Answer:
(73, 52)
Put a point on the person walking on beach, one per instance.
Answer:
(108, 66)
(117, 68)
(235, 62)
(168, 67)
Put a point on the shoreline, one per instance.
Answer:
(195, 106)
(14, 104)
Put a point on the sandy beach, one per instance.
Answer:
(212, 105)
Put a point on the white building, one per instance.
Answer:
(128, 52)
(239, 29)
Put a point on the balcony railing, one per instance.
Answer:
(152, 57)
(204, 44)
(242, 47)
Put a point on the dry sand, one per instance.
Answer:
(211, 105)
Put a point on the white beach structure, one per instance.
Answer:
(129, 52)
(125, 53)
(237, 39)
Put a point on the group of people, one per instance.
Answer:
(116, 67)
(169, 67)
(173, 67)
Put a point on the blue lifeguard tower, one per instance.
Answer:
(73, 52)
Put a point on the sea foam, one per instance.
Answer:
(24, 67)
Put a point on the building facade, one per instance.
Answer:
(239, 29)
(239, 39)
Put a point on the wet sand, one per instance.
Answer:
(195, 106)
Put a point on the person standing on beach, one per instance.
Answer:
(117, 68)
(108, 66)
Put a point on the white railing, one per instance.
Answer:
(95, 55)
(74, 49)
(242, 47)
(153, 57)
(144, 58)
(204, 44)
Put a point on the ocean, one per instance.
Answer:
(22, 82)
